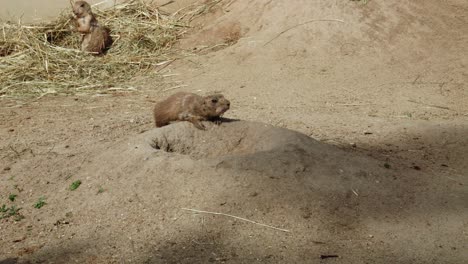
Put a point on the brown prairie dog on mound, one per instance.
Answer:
(95, 37)
(190, 107)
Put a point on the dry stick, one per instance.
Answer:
(4, 34)
(354, 104)
(230, 3)
(236, 217)
(168, 3)
(430, 105)
(175, 87)
(301, 24)
(164, 64)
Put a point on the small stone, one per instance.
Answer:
(253, 194)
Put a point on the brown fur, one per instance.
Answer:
(96, 39)
(190, 107)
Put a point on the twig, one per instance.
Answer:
(64, 49)
(354, 104)
(170, 75)
(430, 105)
(212, 47)
(164, 64)
(236, 217)
(89, 86)
(230, 3)
(175, 87)
(168, 3)
(98, 4)
(301, 24)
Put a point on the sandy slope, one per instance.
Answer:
(381, 87)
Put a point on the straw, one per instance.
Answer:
(46, 57)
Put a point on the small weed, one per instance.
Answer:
(75, 185)
(12, 211)
(100, 190)
(408, 114)
(386, 165)
(12, 197)
(41, 202)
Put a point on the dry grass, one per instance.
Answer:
(45, 58)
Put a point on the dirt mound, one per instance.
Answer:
(258, 147)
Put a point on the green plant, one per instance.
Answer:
(100, 190)
(41, 202)
(12, 197)
(6, 212)
(75, 185)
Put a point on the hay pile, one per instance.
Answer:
(45, 58)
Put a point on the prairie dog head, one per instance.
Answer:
(81, 8)
(216, 104)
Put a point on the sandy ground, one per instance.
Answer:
(377, 174)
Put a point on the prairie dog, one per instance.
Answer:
(190, 107)
(95, 38)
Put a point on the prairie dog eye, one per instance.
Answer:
(82, 5)
(214, 100)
